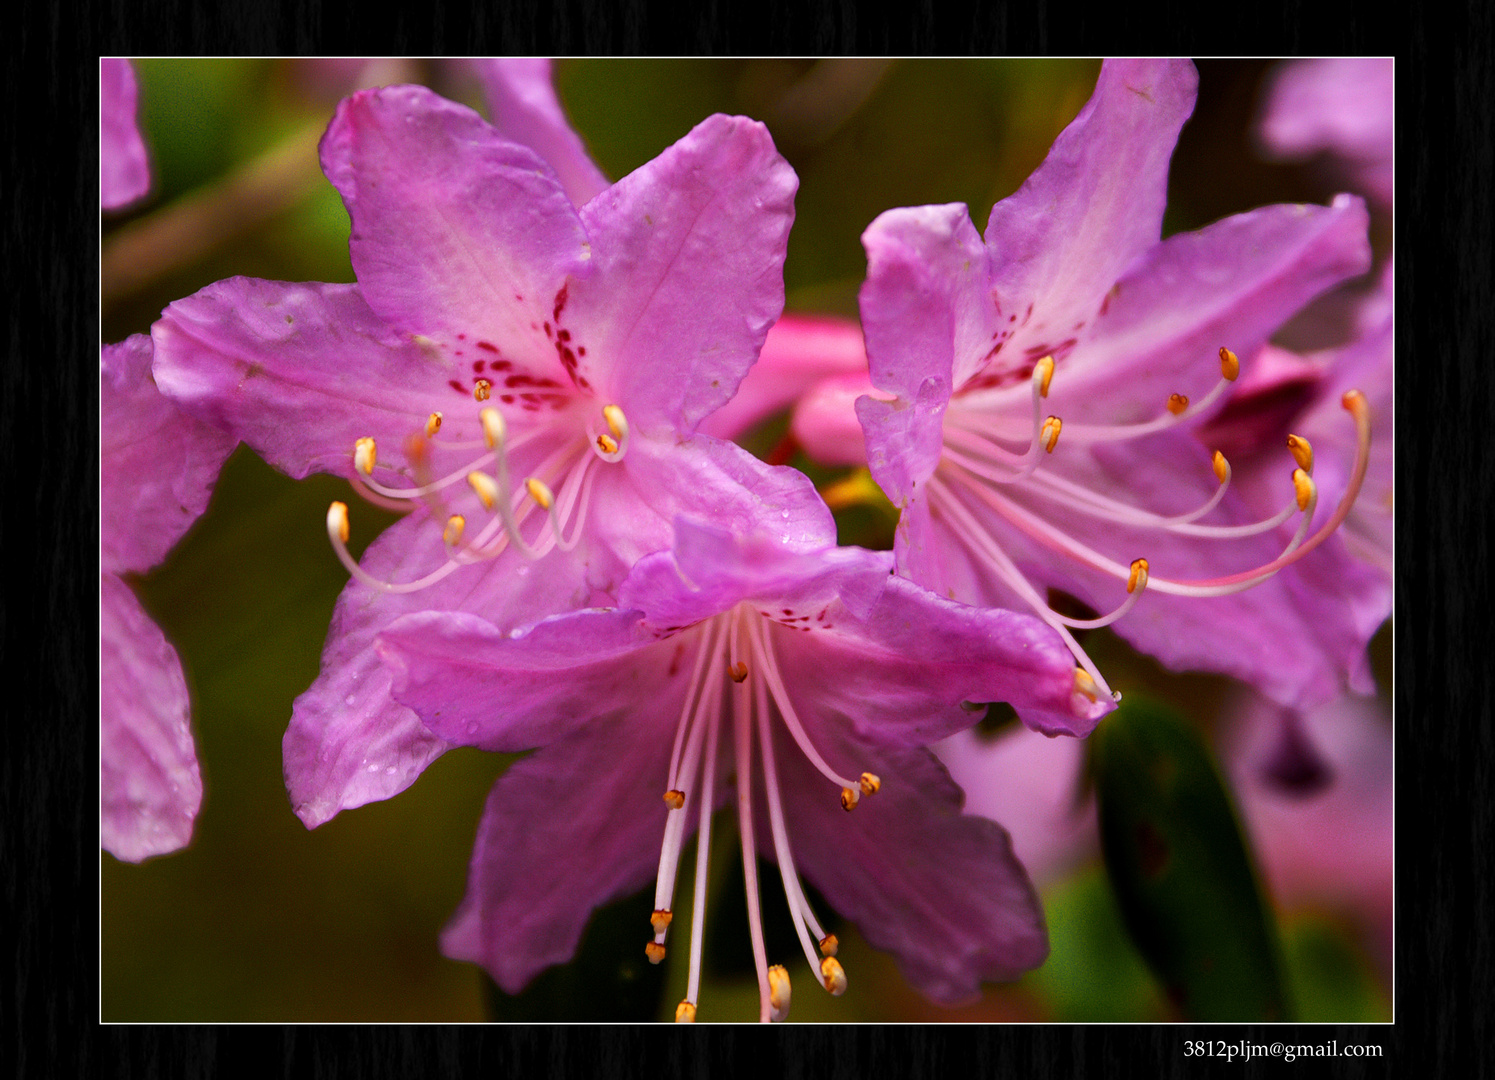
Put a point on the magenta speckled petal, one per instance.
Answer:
(124, 170)
(149, 786)
(157, 465)
(687, 274)
(458, 234)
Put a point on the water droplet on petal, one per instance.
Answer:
(348, 700)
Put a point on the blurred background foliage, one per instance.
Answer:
(263, 920)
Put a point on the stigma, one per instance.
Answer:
(735, 695)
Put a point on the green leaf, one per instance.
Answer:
(1181, 871)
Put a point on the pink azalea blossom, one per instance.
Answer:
(1344, 108)
(497, 333)
(1071, 303)
(818, 675)
(156, 471)
(124, 171)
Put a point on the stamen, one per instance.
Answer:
(482, 389)
(778, 993)
(738, 671)
(1043, 374)
(617, 423)
(337, 521)
(540, 493)
(849, 799)
(763, 657)
(485, 487)
(1084, 684)
(606, 444)
(613, 446)
(433, 425)
(1304, 488)
(745, 831)
(829, 945)
(1230, 368)
(452, 534)
(685, 1013)
(834, 976)
(1302, 452)
(338, 533)
(1177, 404)
(1221, 467)
(494, 428)
(1049, 435)
(1230, 365)
(364, 456)
(661, 919)
(674, 799)
(870, 783)
(655, 952)
(1138, 579)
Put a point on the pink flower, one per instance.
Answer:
(729, 651)
(156, 471)
(497, 332)
(124, 171)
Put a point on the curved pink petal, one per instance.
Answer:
(349, 741)
(459, 235)
(124, 170)
(567, 829)
(825, 422)
(524, 107)
(157, 465)
(475, 685)
(687, 274)
(938, 889)
(1345, 106)
(1233, 283)
(799, 352)
(1094, 205)
(149, 786)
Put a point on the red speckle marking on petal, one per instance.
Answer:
(455, 385)
(581, 350)
(788, 611)
(477, 365)
(507, 399)
(461, 337)
(564, 335)
(518, 297)
(488, 346)
(548, 331)
(560, 302)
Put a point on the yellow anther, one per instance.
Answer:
(833, 975)
(494, 428)
(1084, 684)
(364, 456)
(337, 520)
(607, 444)
(661, 919)
(1049, 433)
(738, 671)
(674, 798)
(1138, 578)
(829, 945)
(452, 534)
(485, 487)
(778, 992)
(1221, 466)
(1230, 364)
(433, 424)
(1303, 488)
(1302, 452)
(849, 798)
(1354, 401)
(654, 951)
(617, 423)
(1177, 403)
(869, 783)
(481, 389)
(540, 493)
(685, 1013)
(1044, 372)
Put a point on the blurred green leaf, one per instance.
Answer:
(1180, 870)
(1331, 981)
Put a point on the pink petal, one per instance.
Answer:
(799, 352)
(157, 465)
(149, 786)
(124, 170)
(458, 234)
(687, 276)
(940, 890)
(524, 107)
(825, 422)
(1093, 206)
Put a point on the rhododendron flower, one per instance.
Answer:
(124, 171)
(814, 679)
(497, 333)
(156, 471)
(1071, 293)
(1343, 107)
